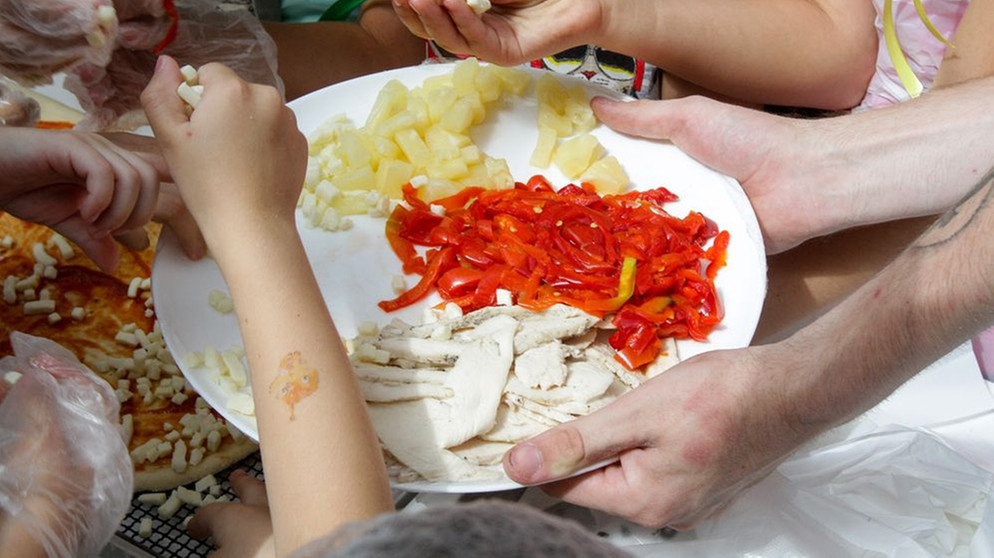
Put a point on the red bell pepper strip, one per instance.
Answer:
(170, 7)
(437, 265)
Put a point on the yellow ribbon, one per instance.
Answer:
(907, 76)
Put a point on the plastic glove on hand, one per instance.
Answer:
(67, 476)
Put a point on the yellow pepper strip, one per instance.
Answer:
(626, 288)
(908, 78)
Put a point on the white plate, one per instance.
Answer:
(355, 268)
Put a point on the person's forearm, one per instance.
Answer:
(933, 297)
(789, 52)
(321, 456)
(909, 160)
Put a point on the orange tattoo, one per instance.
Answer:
(295, 381)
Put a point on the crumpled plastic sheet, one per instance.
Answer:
(880, 492)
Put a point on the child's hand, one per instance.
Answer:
(90, 188)
(237, 528)
(511, 32)
(239, 159)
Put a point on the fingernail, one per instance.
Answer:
(526, 460)
(160, 63)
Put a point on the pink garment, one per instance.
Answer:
(983, 349)
(923, 51)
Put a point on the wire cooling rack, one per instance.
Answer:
(168, 538)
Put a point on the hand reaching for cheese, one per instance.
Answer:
(91, 188)
(241, 140)
(67, 476)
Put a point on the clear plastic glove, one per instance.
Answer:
(67, 476)
(16, 108)
(144, 24)
(41, 37)
(110, 93)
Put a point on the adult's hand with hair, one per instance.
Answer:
(689, 440)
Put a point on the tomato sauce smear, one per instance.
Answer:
(619, 255)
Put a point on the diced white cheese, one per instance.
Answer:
(220, 301)
(34, 307)
(145, 527)
(196, 456)
(235, 368)
(504, 297)
(78, 313)
(214, 438)
(60, 242)
(205, 483)
(10, 289)
(190, 75)
(106, 15)
(193, 360)
(41, 256)
(152, 498)
(212, 358)
(126, 338)
(399, 284)
(169, 508)
(190, 93)
(133, 287)
(478, 6)
(179, 455)
(27, 283)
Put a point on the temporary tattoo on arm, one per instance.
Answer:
(956, 220)
(295, 381)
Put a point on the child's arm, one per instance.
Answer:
(239, 162)
(314, 55)
(818, 53)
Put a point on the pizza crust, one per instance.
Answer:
(160, 476)
(112, 310)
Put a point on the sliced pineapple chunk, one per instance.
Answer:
(574, 155)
